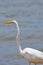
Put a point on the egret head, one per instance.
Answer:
(10, 22)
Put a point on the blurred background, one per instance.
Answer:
(29, 15)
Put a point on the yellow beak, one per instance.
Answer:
(8, 22)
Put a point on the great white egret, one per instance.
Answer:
(31, 55)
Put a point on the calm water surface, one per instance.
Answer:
(29, 14)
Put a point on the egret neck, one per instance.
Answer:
(18, 38)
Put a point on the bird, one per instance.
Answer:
(31, 55)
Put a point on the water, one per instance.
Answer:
(29, 14)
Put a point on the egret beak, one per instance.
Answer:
(8, 22)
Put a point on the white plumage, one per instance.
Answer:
(31, 55)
